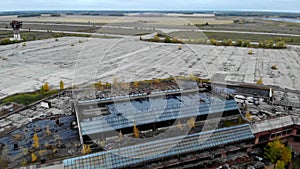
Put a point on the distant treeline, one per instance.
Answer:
(122, 13)
(259, 14)
(28, 15)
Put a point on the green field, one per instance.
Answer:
(28, 98)
(193, 36)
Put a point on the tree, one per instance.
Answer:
(156, 38)
(35, 141)
(229, 42)
(250, 52)
(213, 41)
(248, 116)
(273, 151)
(179, 125)
(274, 67)
(33, 157)
(281, 45)
(61, 85)
(286, 155)
(136, 131)
(192, 122)
(168, 39)
(86, 149)
(260, 81)
(46, 87)
(136, 84)
(280, 165)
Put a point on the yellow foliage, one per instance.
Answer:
(136, 131)
(250, 52)
(192, 122)
(280, 165)
(260, 81)
(42, 152)
(35, 141)
(33, 157)
(277, 153)
(61, 85)
(179, 125)
(286, 155)
(46, 87)
(248, 116)
(136, 84)
(86, 149)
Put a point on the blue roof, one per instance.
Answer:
(140, 153)
(142, 113)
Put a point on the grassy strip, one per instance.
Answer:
(226, 39)
(28, 98)
(252, 37)
(32, 36)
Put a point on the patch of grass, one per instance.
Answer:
(253, 37)
(28, 98)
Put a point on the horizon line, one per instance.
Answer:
(154, 10)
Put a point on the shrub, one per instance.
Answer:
(281, 45)
(213, 41)
(239, 42)
(168, 39)
(250, 52)
(260, 81)
(5, 41)
(274, 67)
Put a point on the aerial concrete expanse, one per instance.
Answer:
(85, 60)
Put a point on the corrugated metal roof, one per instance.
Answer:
(127, 156)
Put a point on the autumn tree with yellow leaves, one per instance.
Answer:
(35, 141)
(260, 81)
(46, 87)
(33, 157)
(86, 149)
(61, 85)
(136, 84)
(136, 131)
(278, 153)
(192, 122)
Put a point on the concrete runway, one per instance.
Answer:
(28, 67)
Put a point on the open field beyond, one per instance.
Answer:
(165, 20)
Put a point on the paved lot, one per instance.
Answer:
(26, 68)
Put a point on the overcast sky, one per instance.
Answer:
(269, 5)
